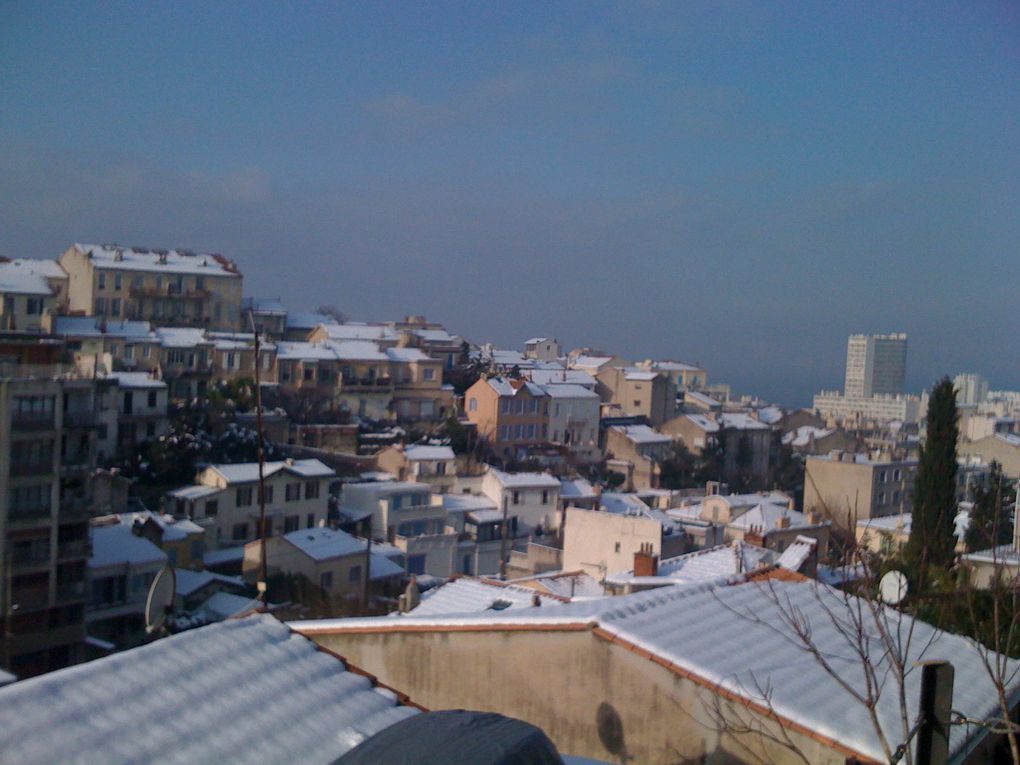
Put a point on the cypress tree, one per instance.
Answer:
(931, 534)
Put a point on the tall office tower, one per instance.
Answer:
(971, 389)
(875, 365)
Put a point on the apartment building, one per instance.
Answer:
(640, 450)
(876, 365)
(846, 487)
(686, 377)
(140, 403)
(542, 349)
(639, 392)
(745, 441)
(166, 287)
(532, 497)
(225, 499)
(574, 419)
(44, 512)
(424, 463)
(511, 415)
(31, 294)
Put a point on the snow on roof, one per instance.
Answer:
(25, 277)
(407, 355)
(590, 362)
(246, 472)
(741, 421)
(438, 336)
(768, 516)
(552, 377)
(263, 305)
(900, 521)
(116, 544)
(187, 581)
(770, 415)
(642, 434)
(568, 390)
(709, 565)
(324, 543)
(358, 331)
(504, 386)
(225, 605)
(525, 480)
(803, 435)
(535, 340)
(158, 261)
(95, 326)
(428, 452)
(467, 595)
(634, 373)
(308, 320)
(573, 584)
(181, 337)
(302, 351)
(225, 555)
(576, 488)
(1009, 438)
(488, 515)
(135, 380)
(197, 491)
(466, 503)
(739, 620)
(357, 350)
(707, 424)
(795, 555)
(199, 695)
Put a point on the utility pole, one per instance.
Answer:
(263, 583)
(504, 529)
(368, 573)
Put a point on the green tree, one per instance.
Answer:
(990, 521)
(678, 468)
(931, 535)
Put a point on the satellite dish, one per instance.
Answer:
(893, 587)
(160, 601)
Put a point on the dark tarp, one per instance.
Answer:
(453, 737)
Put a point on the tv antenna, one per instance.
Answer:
(159, 603)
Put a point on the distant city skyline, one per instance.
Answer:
(741, 186)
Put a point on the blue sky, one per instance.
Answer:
(737, 184)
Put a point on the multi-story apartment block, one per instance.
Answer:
(971, 389)
(574, 419)
(532, 497)
(542, 349)
(269, 317)
(746, 444)
(166, 287)
(31, 293)
(140, 402)
(638, 449)
(639, 391)
(45, 422)
(511, 415)
(875, 365)
(686, 377)
(836, 407)
(434, 465)
(846, 487)
(185, 360)
(225, 499)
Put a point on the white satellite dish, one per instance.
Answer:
(892, 588)
(160, 601)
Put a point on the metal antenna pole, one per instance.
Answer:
(263, 583)
(504, 529)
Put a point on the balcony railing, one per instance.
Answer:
(75, 550)
(28, 516)
(31, 421)
(29, 598)
(170, 291)
(82, 418)
(25, 560)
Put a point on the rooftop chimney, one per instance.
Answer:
(411, 597)
(646, 562)
(783, 522)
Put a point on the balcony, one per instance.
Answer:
(29, 517)
(70, 592)
(40, 469)
(29, 598)
(367, 385)
(24, 421)
(170, 291)
(80, 418)
(27, 561)
(75, 550)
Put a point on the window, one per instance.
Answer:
(152, 399)
(291, 523)
(311, 520)
(416, 564)
(293, 492)
(312, 490)
(466, 565)
(243, 498)
(473, 404)
(239, 532)
(520, 406)
(504, 432)
(269, 495)
(146, 351)
(545, 497)
(896, 497)
(354, 575)
(530, 432)
(129, 352)
(637, 403)
(100, 306)
(517, 432)
(33, 306)
(136, 282)
(506, 406)
(150, 429)
(897, 474)
(881, 498)
(102, 280)
(616, 547)
(429, 373)
(517, 498)
(881, 476)
(440, 468)
(326, 580)
(212, 506)
(556, 410)
(115, 306)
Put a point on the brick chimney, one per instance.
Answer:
(646, 562)
(783, 522)
(754, 536)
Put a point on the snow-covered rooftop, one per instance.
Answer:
(803, 435)
(467, 595)
(115, 544)
(525, 480)
(181, 337)
(246, 472)
(358, 331)
(158, 261)
(136, 380)
(568, 390)
(95, 326)
(199, 697)
(642, 434)
(709, 565)
(418, 452)
(26, 277)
